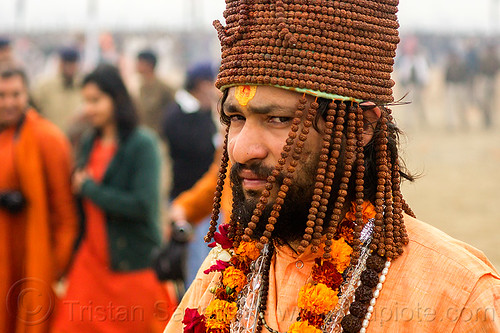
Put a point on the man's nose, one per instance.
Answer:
(248, 145)
(8, 101)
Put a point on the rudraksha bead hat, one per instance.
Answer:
(332, 49)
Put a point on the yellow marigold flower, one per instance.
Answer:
(317, 298)
(234, 278)
(341, 254)
(219, 313)
(248, 250)
(302, 327)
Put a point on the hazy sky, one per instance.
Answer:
(429, 15)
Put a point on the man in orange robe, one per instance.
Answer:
(312, 150)
(38, 222)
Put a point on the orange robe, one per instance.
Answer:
(35, 245)
(439, 284)
(198, 200)
(99, 299)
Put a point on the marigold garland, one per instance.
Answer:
(219, 314)
(234, 278)
(315, 299)
(248, 250)
(341, 254)
(303, 327)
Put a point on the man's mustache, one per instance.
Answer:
(258, 169)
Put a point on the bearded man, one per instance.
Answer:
(320, 238)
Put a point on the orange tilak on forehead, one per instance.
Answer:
(244, 94)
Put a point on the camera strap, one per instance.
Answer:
(17, 133)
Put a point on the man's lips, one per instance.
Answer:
(251, 181)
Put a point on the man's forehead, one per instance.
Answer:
(260, 97)
(12, 80)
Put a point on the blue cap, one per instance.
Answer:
(4, 41)
(203, 71)
(69, 54)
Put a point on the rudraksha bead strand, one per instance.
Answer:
(218, 190)
(322, 187)
(264, 198)
(264, 290)
(237, 224)
(400, 236)
(381, 168)
(389, 244)
(359, 182)
(350, 157)
(332, 168)
(290, 170)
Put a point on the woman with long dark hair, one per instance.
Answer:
(111, 287)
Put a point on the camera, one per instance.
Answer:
(12, 201)
(181, 232)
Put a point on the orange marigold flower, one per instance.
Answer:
(317, 298)
(324, 271)
(368, 211)
(234, 278)
(341, 254)
(313, 319)
(219, 314)
(248, 250)
(302, 327)
(346, 233)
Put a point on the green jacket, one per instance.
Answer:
(129, 195)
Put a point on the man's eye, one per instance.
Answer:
(279, 120)
(236, 117)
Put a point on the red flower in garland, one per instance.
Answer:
(222, 237)
(326, 272)
(218, 267)
(195, 322)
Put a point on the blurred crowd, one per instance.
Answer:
(108, 169)
(462, 71)
(92, 163)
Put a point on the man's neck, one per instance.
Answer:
(294, 244)
(18, 122)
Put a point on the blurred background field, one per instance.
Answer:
(458, 188)
(457, 156)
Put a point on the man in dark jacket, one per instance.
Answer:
(189, 129)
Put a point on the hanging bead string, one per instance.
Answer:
(287, 182)
(407, 209)
(359, 189)
(264, 291)
(264, 198)
(398, 237)
(322, 188)
(334, 156)
(218, 190)
(381, 168)
(344, 181)
(368, 291)
(399, 233)
(236, 227)
(389, 213)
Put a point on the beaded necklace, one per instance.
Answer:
(326, 304)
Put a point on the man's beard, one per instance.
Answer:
(292, 219)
